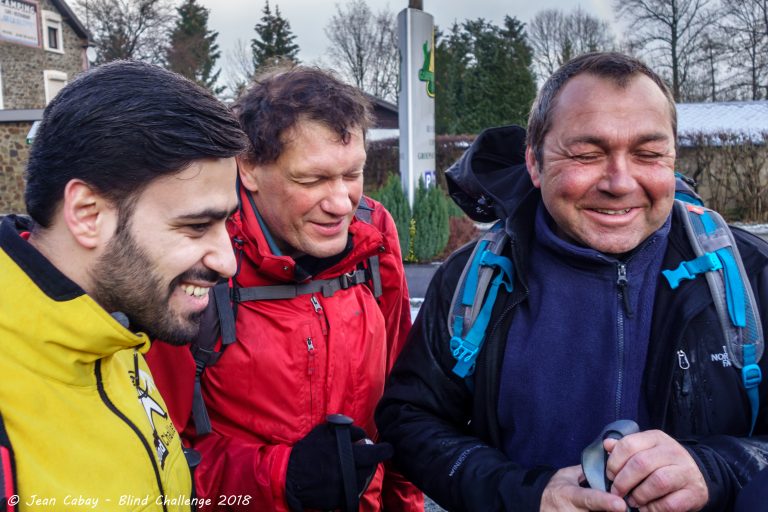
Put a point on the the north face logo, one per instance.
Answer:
(721, 357)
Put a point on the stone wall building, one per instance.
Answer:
(42, 47)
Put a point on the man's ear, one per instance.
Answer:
(89, 216)
(248, 174)
(533, 167)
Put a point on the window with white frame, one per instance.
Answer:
(52, 36)
(54, 82)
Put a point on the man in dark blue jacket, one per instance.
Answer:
(591, 333)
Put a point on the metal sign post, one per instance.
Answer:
(417, 99)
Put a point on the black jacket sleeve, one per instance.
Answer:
(729, 462)
(426, 413)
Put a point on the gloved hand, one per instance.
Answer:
(314, 473)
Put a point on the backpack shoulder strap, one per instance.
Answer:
(218, 320)
(718, 258)
(364, 210)
(475, 295)
(219, 317)
(364, 213)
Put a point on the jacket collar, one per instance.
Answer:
(76, 330)
(365, 241)
(48, 278)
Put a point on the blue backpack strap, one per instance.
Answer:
(718, 259)
(483, 275)
(685, 191)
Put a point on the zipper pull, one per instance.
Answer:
(315, 304)
(319, 311)
(682, 360)
(623, 285)
(311, 362)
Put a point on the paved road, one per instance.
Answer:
(418, 277)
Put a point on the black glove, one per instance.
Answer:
(314, 472)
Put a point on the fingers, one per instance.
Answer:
(356, 433)
(564, 494)
(637, 455)
(371, 454)
(655, 471)
(677, 501)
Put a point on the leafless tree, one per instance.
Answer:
(545, 35)
(238, 68)
(745, 26)
(363, 45)
(670, 33)
(129, 29)
(557, 37)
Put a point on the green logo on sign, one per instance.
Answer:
(427, 71)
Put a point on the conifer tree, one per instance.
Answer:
(193, 51)
(484, 76)
(430, 213)
(274, 41)
(392, 196)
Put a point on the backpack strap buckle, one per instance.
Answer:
(751, 375)
(465, 353)
(707, 262)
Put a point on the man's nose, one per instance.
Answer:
(221, 257)
(338, 200)
(617, 179)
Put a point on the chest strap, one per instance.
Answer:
(288, 291)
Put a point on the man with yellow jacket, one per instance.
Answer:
(129, 183)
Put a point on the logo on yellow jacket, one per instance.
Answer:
(162, 427)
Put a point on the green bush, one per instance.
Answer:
(393, 198)
(430, 213)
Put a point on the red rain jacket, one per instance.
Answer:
(292, 365)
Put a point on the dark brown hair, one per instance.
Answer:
(282, 97)
(118, 127)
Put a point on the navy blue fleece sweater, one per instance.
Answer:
(576, 349)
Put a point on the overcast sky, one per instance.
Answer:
(235, 19)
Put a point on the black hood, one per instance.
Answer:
(490, 179)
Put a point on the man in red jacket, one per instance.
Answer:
(329, 327)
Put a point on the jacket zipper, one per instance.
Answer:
(131, 425)
(319, 311)
(310, 373)
(623, 285)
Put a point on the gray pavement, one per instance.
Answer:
(418, 277)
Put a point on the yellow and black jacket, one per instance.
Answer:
(87, 427)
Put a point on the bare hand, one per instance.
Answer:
(563, 493)
(656, 472)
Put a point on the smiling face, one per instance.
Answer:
(607, 176)
(308, 197)
(170, 250)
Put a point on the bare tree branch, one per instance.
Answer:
(363, 45)
(556, 37)
(671, 32)
(129, 29)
